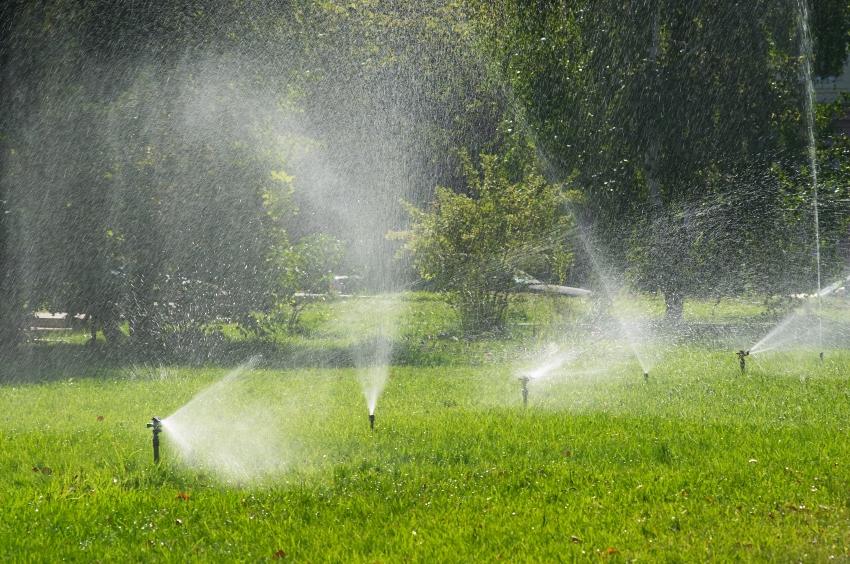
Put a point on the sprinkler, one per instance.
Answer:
(524, 380)
(645, 376)
(156, 427)
(372, 421)
(821, 356)
(742, 354)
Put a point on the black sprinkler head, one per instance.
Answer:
(155, 426)
(821, 356)
(524, 380)
(372, 421)
(742, 354)
(645, 376)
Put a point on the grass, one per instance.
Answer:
(699, 463)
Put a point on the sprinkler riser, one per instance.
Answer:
(742, 359)
(524, 391)
(156, 448)
(156, 428)
(372, 421)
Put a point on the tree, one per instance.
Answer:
(11, 306)
(389, 92)
(830, 23)
(137, 184)
(473, 244)
(305, 273)
(653, 111)
(308, 270)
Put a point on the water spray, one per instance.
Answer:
(742, 354)
(156, 427)
(524, 380)
(372, 421)
(806, 49)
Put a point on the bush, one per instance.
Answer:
(473, 245)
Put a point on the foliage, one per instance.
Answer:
(162, 201)
(667, 129)
(474, 244)
(833, 161)
(309, 270)
(152, 203)
(392, 92)
(306, 272)
(830, 22)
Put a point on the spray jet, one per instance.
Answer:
(155, 426)
(524, 380)
(742, 354)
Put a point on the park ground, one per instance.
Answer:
(698, 463)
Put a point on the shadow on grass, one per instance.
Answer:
(32, 363)
(39, 362)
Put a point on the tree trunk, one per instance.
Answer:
(674, 302)
(143, 317)
(109, 325)
(9, 328)
(664, 249)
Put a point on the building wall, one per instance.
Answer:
(828, 89)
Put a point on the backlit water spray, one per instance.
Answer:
(809, 116)
(629, 332)
(545, 369)
(795, 329)
(796, 326)
(373, 352)
(571, 362)
(231, 428)
(374, 378)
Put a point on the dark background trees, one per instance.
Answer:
(679, 121)
(167, 166)
(138, 186)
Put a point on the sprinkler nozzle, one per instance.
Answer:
(372, 421)
(524, 380)
(156, 427)
(645, 376)
(742, 354)
(821, 356)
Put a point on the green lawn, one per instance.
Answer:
(697, 463)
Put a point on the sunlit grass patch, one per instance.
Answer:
(699, 462)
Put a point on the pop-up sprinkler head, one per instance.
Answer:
(524, 380)
(742, 354)
(372, 421)
(156, 427)
(645, 376)
(821, 356)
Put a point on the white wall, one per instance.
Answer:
(828, 89)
